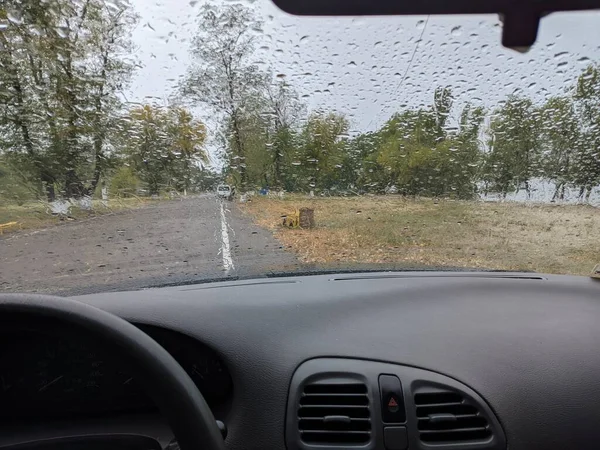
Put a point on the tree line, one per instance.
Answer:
(65, 127)
(67, 130)
(269, 140)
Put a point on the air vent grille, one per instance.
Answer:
(334, 414)
(448, 417)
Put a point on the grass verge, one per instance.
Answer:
(34, 215)
(506, 236)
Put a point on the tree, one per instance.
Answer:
(13, 188)
(406, 159)
(419, 157)
(124, 182)
(471, 120)
(186, 140)
(204, 179)
(362, 156)
(164, 146)
(468, 152)
(514, 157)
(257, 162)
(586, 161)
(269, 125)
(222, 75)
(410, 128)
(560, 140)
(282, 116)
(420, 168)
(62, 72)
(442, 104)
(322, 150)
(111, 73)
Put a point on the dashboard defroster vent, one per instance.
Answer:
(334, 414)
(448, 417)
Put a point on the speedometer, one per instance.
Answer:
(201, 363)
(50, 374)
(44, 374)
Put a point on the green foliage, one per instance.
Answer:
(124, 183)
(62, 70)
(65, 130)
(322, 149)
(282, 114)
(415, 154)
(223, 77)
(514, 157)
(164, 145)
(442, 104)
(560, 140)
(204, 179)
(267, 141)
(15, 189)
(586, 166)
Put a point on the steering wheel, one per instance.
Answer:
(161, 376)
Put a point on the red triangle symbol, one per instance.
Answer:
(392, 403)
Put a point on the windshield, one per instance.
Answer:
(148, 143)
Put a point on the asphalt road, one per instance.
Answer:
(174, 242)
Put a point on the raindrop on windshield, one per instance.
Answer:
(456, 31)
(14, 17)
(63, 32)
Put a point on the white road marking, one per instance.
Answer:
(225, 250)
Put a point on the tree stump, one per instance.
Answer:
(307, 218)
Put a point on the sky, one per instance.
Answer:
(361, 66)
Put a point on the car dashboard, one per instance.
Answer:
(394, 361)
(46, 374)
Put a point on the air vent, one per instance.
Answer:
(448, 417)
(334, 414)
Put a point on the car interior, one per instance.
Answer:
(394, 361)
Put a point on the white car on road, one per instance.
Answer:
(224, 191)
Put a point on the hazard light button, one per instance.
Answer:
(392, 400)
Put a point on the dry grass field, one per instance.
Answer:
(34, 215)
(388, 229)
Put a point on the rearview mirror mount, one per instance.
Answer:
(521, 19)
